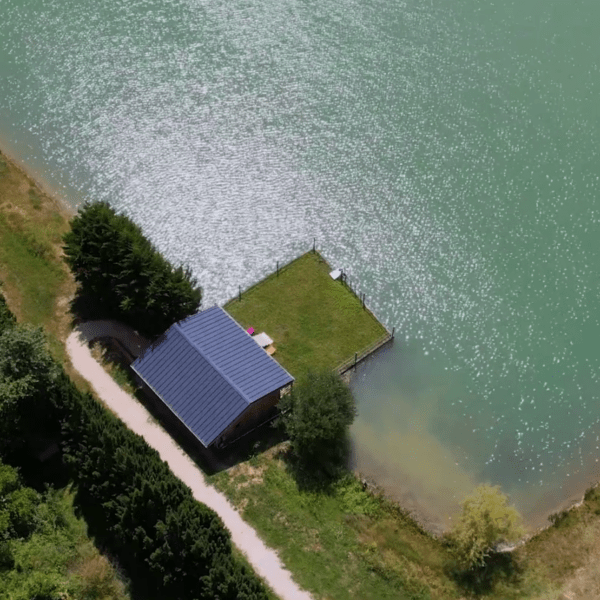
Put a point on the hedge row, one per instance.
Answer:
(115, 264)
(152, 519)
(145, 516)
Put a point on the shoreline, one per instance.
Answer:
(431, 524)
(43, 186)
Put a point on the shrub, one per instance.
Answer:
(486, 520)
(27, 372)
(115, 263)
(36, 201)
(317, 415)
(7, 319)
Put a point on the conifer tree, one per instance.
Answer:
(148, 518)
(27, 372)
(116, 264)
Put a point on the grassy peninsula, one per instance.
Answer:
(315, 322)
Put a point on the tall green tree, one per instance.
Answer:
(117, 265)
(317, 415)
(486, 520)
(27, 373)
(145, 516)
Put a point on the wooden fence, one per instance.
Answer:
(353, 287)
(364, 353)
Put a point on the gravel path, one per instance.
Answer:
(265, 561)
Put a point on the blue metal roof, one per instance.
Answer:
(207, 370)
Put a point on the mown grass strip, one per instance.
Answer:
(29, 270)
(36, 283)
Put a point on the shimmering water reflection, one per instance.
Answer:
(445, 154)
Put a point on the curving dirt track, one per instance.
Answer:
(265, 561)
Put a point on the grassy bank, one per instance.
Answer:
(36, 283)
(340, 543)
(344, 543)
(315, 322)
(568, 552)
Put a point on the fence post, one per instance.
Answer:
(363, 300)
(355, 359)
(314, 244)
(240, 293)
(277, 268)
(393, 332)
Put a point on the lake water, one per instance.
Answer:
(444, 152)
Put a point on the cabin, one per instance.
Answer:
(213, 376)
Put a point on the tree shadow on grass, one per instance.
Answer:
(500, 567)
(89, 308)
(318, 472)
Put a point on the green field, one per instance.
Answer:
(315, 322)
(343, 544)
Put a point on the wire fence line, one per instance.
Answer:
(352, 284)
(364, 353)
(279, 268)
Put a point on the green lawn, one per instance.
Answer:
(315, 322)
(340, 545)
(35, 281)
(37, 277)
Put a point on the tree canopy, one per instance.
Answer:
(116, 264)
(7, 319)
(486, 520)
(317, 415)
(145, 516)
(27, 372)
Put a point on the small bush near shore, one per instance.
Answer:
(36, 201)
(317, 415)
(114, 263)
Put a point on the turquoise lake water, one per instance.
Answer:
(445, 153)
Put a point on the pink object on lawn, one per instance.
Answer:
(250, 330)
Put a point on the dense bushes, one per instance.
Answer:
(150, 517)
(135, 506)
(317, 416)
(26, 373)
(44, 550)
(117, 265)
